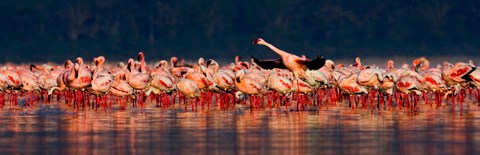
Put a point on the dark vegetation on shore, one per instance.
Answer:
(54, 30)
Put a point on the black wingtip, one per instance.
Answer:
(316, 63)
(209, 62)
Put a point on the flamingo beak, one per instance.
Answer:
(32, 66)
(209, 62)
(96, 62)
(255, 41)
(129, 65)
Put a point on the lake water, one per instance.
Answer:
(59, 129)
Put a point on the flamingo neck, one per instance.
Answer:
(100, 66)
(276, 50)
(142, 65)
(73, 74)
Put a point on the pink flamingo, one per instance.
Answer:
(223, 82)
(29, 85)
(409, 86)
(248, 86)
(349, 84)
(102, 80)
(138, 80)
(372, 79)
(120, 88)
(190, 90)
(14, 83)
(281, 85)
(298, 65)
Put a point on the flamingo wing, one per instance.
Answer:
(270, 63)
(314, 64)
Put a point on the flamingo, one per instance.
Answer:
(223, 78)
(328, 71)
(137, 80)
(189, 89)
(390, 65)
(280, 84)
(29, 85)
(316, 78)
(408, 85)
(161, 69)
(14, 83)
(197, 75)
(387, 86)
(248, 86)
(459, 73)
(177, 71)
(357, 64)
(3, 82)
(349, 84)
(298, 65)
(302, 88)
(456, 76)
(372, 79)
(435, 84)
(82, 81)
(203, 79)
(223, 82)
(14, 80)
(83, 77)
(161, 84)
(102, 80)
(475, 76)
(239, 65)
(74, 78)
(120, 88)
(48, 76)
(3, 87)
(142, 68)
(65, 77)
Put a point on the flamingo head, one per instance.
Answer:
(173, 61)
(99, 60)
(211, 62)
(421, 63)
(162, 64)
(470, 62)
(201, 61)
(32, 66)
(79, 60)
(258, 41)
(140, 56)
(237, 59)
(130, 64)
(390, 64)
(358, 62)
(48, 68)
(67, 64)
(239, 75)
(330, 64)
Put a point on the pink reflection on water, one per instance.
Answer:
(338, 130)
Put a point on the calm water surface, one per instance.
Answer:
(57, 129)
